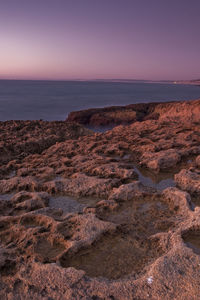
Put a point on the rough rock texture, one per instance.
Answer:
(115, 235)
(111, 115)
(160, 160)
(188, 181)
(81, 185)
(126, 191)
(21, 138)
(198, 160)
(137, 112)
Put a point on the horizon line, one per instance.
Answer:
(102, 79)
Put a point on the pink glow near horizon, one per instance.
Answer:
(94, 39)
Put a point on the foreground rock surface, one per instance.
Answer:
(115, 235)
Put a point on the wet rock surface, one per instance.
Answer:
(113, 215)
(105, 258)
(192, 240)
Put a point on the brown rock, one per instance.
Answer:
(160, 160)
(129, 241)
(188, 181)
(127, 192)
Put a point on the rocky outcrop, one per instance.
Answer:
(81, 185)
(77, 223)
(188, 181)
(169, 111)
(21, 138)
(128, 191)
(179, 200)
(114, 115)
(198, 161)
(161, 160)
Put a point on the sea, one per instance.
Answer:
(54, 100)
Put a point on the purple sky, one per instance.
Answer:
(89, 39)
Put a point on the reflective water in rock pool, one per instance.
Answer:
(100, 129)
(71, 204)
(6, 196)
(159, 182)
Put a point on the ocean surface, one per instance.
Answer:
(54, 100)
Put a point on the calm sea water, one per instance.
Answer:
(53, 100)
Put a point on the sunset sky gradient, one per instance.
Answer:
(92, 39)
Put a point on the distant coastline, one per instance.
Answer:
(191, 82)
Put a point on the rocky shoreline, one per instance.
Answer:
(123, 115)
(84, 215)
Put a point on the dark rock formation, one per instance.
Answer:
(117, 115)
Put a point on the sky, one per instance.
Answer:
(100, 39)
